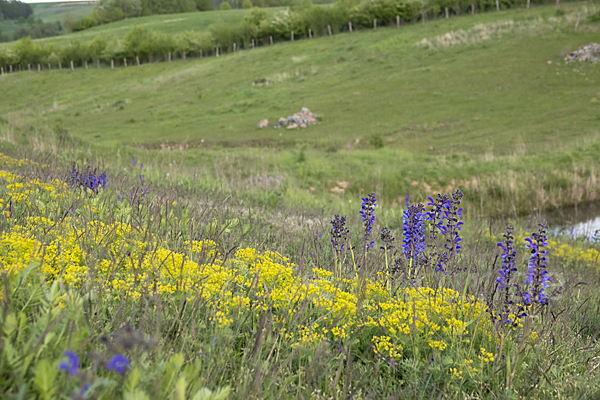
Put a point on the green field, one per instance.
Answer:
(169, 23)
(155, 244)
(50, 12)
(503, 116)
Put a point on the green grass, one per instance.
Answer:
(8, 27)
(491, 117)
(52, 12)
(49, 12)
(169, 23)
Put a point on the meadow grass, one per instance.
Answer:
(211, 297)
(53, 12)
(49, 12)
(167, 23)
(478, 108)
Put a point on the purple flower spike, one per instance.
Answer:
(367, 214)
(414, 236)
(71, 364)
(537, 275)
(118, 363)
(339, 233)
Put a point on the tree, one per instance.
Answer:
(15, 9)
(204, 5)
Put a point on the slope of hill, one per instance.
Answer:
(490, 106)
(168, 23)
(52, 12)
(49, 12)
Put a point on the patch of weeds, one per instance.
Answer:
(301, 155)
(376, 141)
(60, 132)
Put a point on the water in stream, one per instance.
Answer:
(577, 222)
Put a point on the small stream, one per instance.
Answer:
(577, 222)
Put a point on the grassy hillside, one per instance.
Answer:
(50, 12)
(497, 113)
(170, 23)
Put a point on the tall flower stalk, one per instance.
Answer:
(414, 236)
(367, 215)
(506, 281)
(388, 245)
(339, 237)
(537, 275)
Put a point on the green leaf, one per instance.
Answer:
(180, 386)
(24, 273)
(44, 379)
(137, 395)
(132, 380)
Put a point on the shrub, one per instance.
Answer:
(376, 141)
(225, 6)
(247, 4)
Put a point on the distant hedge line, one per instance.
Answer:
(151, 46)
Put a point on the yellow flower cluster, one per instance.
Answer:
(385, 347)
(437, 344)
(126, 263)
(7, 161)
(15, 188)
(456, 373)
(485, 356)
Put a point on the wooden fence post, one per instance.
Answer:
(292, 36)
(72, 66)
(398, 21)
(39, 68)
(183, 55)
(29, 67)
(97, 63)
(19, 67)
(447, 14)
(309, 33)
(169, 57)
(423, 18)
(329, 29)
(374, 23)
(11, 69)
(85, 62)
(497, 5)
(217, 52)
(1, 70)
(252, 43)
(112, 64)
(271, 40)
(125, 62)
(528, 1)
(201, 54)
(49, 67)
(473, 8)
(577, 23)
(350, 26)
(234, 46)
(137, 60)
